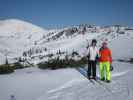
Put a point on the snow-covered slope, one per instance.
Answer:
(20, 39)
(75, 38)
(17, 36)
(68, 84)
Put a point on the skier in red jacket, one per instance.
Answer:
(105, 60)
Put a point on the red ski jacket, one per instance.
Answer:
(105, 55)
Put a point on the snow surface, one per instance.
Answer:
(17, 36)
(66, 84)
(63, 84)
(69, 84)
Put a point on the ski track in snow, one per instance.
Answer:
(86, 90)
(119, 74)
(83, 91)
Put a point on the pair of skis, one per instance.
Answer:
(103, 84)
(83, 71)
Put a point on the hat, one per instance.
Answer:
(104, 43)
(94, 41)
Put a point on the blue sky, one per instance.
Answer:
(51, 13)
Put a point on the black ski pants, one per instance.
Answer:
(91, 68)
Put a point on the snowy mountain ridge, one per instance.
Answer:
(16, 36)
(22, 39)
